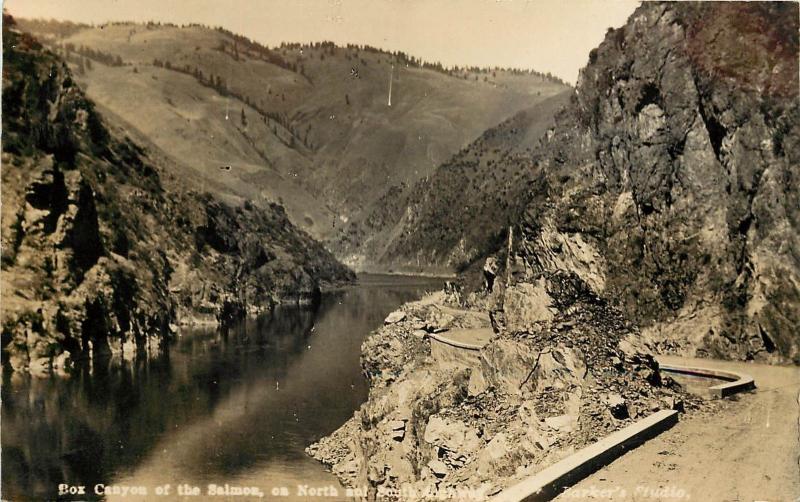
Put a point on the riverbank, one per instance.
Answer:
(219, 406)
(561, 371)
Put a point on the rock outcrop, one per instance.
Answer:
(671, 182)
(103, 251)
(465, 428)
(668, 183)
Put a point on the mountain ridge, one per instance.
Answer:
(477, 192)
(308, 126)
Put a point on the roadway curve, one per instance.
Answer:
(746, 449)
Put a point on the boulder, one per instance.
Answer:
(395, 317)
(617, 406)
(495, 450)
(438, 468)
(526, 305)
(397, 429)
(450, 434)
(562, 423)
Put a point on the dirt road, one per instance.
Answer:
(746, 450)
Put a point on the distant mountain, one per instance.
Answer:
(104, 248)
(309, 126)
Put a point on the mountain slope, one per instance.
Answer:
(459, 213)
(103, 248)
(671, 183)
(310, 125)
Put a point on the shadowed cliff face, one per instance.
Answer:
(671, 182)
(102, 249)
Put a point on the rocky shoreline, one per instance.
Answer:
(560, 372)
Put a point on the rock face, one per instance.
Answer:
(103, 252)
(668, 183)
(671, 182)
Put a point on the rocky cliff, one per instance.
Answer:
(671, 183)
(104, 251)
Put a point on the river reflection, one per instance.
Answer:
(235, 408)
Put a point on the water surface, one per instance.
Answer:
(236, 408)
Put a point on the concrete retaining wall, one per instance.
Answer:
(547, 484)
(453, 353)
(736, 382)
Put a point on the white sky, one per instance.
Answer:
(545, 35)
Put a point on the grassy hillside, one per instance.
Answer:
(460, 212)
(310, 126)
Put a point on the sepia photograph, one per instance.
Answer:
(400, 250)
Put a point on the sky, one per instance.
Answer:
(545, 35)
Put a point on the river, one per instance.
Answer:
(236, 408)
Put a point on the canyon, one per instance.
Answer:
(158, 177)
